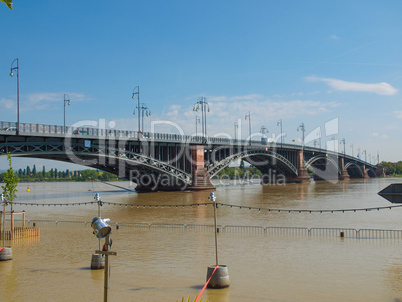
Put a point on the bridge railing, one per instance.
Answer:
(11, 127)
(29, 128)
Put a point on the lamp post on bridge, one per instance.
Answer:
(248, 116)
(302, 128)
(144, 110)
(204, 106)
(136, 91)
(197, 121)
(351, 146)
(236, 127)
(344, 143)
(66, 101)
(279, 123)
(263, 131)
(365, 155)
(17, 68)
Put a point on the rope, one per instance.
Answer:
(209, 203)
(205, 286)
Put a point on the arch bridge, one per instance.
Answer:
(161, 161)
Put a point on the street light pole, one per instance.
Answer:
(248, 115)
(66, 101)
(236, 126)
(344, 144)
(279, 123)
(18, 91)
(145, 110)
(136, 91)
(351, 146)
(204, 106)
(301, 127)
(197, 121)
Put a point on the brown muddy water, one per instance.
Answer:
(167, 261)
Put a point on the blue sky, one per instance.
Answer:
(308, 62)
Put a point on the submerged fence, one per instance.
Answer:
(240, 229)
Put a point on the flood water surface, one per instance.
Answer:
(163, 252)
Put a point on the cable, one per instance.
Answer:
(209, 203)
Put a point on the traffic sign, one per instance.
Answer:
(392, 193)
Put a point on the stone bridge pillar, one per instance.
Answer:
(303, 175)
(365, 174)
(344, 172)
(201, 180)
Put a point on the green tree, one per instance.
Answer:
(11, 181)
(9, 3)
(28, 171)
(44, 171)
(34, 171)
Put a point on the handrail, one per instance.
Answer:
(90, 132)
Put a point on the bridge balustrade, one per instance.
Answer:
(28, 128)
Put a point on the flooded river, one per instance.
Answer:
(166, 258)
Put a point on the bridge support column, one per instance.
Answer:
(365, 174)
(344, 173)
(201, 180)
(303, 175)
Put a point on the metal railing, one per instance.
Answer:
(240, 229)
(11, 127)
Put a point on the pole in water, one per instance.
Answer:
(213, 199)
(218, 275)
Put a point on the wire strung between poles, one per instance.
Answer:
(209, 203)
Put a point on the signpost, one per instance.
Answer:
(392, 193)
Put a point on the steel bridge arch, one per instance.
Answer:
(310, 162)
(358, 167)
(62, 152)
(220, 165)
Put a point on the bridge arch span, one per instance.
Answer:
(262, 159)
(324, 167)
(121, 162)
(354, 170)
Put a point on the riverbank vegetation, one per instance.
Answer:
(392, 169)
(30, 174)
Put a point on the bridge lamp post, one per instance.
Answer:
(236, 127)
(248, 116)
(365, 155)
(344, 144)
(66, 101)
(136, 91)
(351, 146)
(301, 127)
(17, 68)
(263, 131)
(204, 106)
(197, 121)
(144, 110)
(279, 123)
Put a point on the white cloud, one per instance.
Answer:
(398, 113)
(378, 88)
(50, 100)
(7, 104)
(225, 110)
(334, 37)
